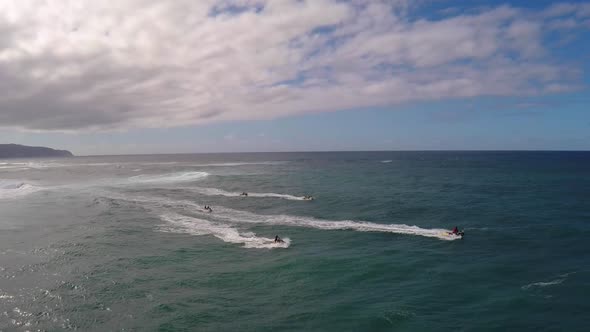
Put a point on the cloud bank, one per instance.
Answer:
(98, 65)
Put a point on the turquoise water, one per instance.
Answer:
(122, 244)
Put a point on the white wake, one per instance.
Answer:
(232, 216)
(220, 192)
(177, 223)
(236, 216)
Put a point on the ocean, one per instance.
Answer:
(122, 243)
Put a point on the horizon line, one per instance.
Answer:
(328, 151)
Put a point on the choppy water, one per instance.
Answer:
(123, 243)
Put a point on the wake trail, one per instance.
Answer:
(237, 216)
(177, 223)
(220, 192)
(232, 216)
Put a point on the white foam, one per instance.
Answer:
(543, 283)
(386, 161)
(158, 163)
(236, 216)
(15, 189)
(15, 166)
(177, 223)
(42, 165)
(30, 165)
(123, 163)
(219, 192)
(53, 164)
(171, 177)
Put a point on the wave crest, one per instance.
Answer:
(14, 189)
(543, 283)
(169, 178)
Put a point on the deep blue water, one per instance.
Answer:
(121, 242)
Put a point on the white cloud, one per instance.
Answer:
(79, 65)
(567, 8)
(560, 9)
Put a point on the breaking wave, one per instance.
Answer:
(14, 166)
(386, 161)
(14, 189)
(169, 178)
(177, 223)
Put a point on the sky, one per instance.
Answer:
(143, 76)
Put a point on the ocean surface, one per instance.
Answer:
(122, 243)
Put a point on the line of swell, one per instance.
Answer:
(169, 178)
(546, 283)
(230, 164)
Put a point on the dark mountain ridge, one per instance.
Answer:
(23, 151)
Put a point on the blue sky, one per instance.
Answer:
(298, 76)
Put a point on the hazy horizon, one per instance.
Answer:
(299, 151)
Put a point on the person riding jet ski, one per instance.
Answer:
(457, 232)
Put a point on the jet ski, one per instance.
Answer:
(244, 194)
(308, 198)
(459, 234)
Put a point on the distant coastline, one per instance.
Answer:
(23, 151)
